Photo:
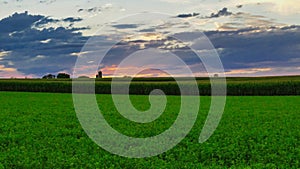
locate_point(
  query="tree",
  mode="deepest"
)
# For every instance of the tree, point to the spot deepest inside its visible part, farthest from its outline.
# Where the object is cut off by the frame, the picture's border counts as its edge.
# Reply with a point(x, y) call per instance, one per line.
point(63, 76)
point(49, 76)
point(83, 77)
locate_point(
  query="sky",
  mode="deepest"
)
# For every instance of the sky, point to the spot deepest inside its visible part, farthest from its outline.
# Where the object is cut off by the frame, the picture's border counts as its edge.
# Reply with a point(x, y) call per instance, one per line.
point(122, 38)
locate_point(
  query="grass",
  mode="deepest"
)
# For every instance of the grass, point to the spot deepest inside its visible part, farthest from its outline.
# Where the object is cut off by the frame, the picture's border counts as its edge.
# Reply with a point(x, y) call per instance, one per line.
point(40, 130)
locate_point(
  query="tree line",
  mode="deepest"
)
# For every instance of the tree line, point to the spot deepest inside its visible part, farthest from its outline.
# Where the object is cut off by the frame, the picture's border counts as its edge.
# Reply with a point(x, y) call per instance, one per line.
point(67, 76)
point(59, 76)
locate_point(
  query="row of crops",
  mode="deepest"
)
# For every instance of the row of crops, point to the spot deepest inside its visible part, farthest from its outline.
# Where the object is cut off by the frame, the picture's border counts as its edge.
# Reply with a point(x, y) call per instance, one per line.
point(235, 86)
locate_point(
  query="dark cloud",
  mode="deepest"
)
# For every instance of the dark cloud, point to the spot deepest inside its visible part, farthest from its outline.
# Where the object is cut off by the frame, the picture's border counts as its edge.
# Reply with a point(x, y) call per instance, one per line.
point(36, 49)
point(246, 48)
point(148, 30)
point(256, 50)
point(71, 19)
point(39, 51)
point(188, 15)
point(18, 22)
point(125, 26)
point(291, 27)
point(251, 49)
point(99, 9)
point(124, 49)
point(239, 6)
point(222, 12)
point(45, 20)
point(90, 10)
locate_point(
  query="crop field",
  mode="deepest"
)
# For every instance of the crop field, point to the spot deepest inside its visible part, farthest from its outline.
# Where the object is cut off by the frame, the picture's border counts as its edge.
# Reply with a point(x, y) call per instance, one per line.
point(241, 86)
point(41, 130)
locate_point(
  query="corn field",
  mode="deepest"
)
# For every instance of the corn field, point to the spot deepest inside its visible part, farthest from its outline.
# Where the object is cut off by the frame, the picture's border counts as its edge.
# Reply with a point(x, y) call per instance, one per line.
point(267, 86)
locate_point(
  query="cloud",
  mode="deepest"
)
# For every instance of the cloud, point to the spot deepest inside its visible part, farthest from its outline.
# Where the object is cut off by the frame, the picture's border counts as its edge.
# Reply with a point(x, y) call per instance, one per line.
point(274, 71)
point(38, 51)
point(222, 12)
point(249, 44)
point(98, 9)
point(248, 21)
point(45, 20)
point(94, 9)
point(110, 71)
point(245, 48)
point(243, 52)
point(5, 69)
point(148, 30)
point(239, 6)
point(164, 46)
point(46, 41)
point(188, 15)
point(4, 53)
point(248, 71)
point(9, 72)
point(20, 22)
point(125, 26)
point(24, 21)
point(71, 19)
point(247, 51)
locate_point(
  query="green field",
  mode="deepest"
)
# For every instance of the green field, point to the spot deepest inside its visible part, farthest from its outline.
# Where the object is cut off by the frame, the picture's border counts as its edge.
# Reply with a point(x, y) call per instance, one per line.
point(236, 86)
point(40, 130)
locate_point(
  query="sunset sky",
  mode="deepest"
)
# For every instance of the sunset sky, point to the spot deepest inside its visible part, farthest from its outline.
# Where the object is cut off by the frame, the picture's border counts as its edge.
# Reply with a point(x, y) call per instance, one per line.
point(251, 37)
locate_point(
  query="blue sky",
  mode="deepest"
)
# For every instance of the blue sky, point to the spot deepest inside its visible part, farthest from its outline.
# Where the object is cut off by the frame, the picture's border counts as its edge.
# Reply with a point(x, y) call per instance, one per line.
point(252, 38)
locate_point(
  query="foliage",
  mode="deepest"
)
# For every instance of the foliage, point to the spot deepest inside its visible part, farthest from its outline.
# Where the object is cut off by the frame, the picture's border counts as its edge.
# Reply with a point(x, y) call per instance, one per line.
point(40, 130)
point(48, 76)
point(63, 76)
point(267, 86)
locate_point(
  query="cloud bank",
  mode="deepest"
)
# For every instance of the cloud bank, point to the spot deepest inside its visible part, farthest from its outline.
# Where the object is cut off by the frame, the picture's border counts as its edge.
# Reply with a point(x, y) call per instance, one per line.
point(35, 50)
point(34, 45)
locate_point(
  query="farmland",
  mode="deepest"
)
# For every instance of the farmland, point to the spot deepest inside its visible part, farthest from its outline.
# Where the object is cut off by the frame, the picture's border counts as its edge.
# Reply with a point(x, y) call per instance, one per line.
point(242, 86)
point(40, 130)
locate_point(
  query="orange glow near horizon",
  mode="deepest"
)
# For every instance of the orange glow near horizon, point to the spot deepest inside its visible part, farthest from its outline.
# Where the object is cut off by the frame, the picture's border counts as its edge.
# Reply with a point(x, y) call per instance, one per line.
point(109, 71)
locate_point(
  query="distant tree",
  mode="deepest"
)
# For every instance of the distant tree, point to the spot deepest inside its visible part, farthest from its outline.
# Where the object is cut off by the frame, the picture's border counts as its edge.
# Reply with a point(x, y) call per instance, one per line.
point(83, 77)
point(63, 76)
point(49, 76)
